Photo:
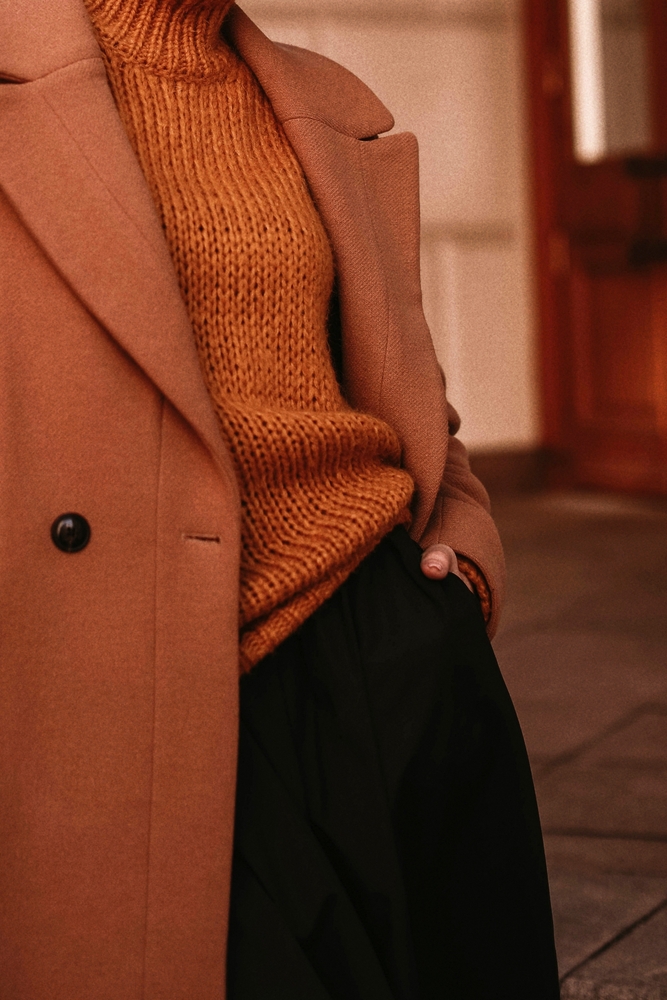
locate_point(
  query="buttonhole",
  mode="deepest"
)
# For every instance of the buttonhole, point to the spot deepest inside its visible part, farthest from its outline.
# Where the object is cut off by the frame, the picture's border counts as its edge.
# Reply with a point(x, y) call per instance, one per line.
point(203, 538)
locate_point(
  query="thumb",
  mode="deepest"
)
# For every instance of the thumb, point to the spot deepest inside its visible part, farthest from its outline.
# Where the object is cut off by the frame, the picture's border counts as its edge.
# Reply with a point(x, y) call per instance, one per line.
point(438, 560)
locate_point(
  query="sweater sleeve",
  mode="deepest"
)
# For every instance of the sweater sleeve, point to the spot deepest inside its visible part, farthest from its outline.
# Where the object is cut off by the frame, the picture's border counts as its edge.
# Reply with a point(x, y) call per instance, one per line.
point(461, 518)
point(479, 584)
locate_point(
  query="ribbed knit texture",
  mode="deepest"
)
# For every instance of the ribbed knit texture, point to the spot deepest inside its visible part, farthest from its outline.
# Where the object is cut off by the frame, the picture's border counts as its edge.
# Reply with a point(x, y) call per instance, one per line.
point(320, 483)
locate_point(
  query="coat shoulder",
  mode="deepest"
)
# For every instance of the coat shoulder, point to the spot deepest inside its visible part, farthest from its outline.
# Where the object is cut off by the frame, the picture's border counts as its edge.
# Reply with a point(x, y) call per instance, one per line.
point(339, 84)
point(304, 84)
point(38, 37)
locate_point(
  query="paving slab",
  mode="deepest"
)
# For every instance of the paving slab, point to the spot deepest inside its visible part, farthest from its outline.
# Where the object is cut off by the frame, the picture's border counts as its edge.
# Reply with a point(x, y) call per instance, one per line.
point(583, 648)
point(591, 910)
point(635, 607)
point(585, 558)
point(626, 801)
point(634, 968)
point(641, 741)
point(589, 855)
point(570, 686)
point(618, 786)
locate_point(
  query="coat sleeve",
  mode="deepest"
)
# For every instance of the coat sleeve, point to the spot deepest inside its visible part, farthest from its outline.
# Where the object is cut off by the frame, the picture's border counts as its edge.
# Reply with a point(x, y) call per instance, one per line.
point(461, 518)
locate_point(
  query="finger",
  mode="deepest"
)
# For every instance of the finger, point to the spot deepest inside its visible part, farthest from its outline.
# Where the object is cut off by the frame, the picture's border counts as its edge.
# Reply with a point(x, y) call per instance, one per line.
point(440, 560)
point(437, 561)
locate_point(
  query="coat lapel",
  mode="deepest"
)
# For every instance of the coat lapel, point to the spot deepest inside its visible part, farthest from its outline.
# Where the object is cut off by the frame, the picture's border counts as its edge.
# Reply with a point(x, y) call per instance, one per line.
point(368, 196)
point(71, 174)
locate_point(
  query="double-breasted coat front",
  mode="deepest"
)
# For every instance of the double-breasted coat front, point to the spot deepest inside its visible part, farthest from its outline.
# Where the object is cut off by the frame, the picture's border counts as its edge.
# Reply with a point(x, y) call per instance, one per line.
point(118, 663)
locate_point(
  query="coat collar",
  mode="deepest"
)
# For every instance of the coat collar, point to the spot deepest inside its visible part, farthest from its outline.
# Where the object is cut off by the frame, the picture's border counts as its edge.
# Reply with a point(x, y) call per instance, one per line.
point(70, 172)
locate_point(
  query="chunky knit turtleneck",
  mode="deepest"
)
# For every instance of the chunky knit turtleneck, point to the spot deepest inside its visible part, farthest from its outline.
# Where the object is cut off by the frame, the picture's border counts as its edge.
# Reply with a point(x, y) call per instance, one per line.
point(320, 483)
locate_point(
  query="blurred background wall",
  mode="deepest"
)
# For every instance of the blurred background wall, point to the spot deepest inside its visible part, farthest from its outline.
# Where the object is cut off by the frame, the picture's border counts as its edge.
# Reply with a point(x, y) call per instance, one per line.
point(451, 71)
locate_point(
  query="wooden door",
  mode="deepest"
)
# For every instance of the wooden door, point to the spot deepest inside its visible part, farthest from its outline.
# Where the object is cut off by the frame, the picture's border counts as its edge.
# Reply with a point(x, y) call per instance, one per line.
point(601, 252)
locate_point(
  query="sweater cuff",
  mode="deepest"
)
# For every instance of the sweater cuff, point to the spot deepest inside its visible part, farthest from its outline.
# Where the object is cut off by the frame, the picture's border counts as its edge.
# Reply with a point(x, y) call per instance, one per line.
point(476, 577)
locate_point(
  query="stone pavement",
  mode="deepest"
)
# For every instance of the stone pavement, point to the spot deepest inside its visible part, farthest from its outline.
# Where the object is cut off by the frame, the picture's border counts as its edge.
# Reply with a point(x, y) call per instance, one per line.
point(583, 647)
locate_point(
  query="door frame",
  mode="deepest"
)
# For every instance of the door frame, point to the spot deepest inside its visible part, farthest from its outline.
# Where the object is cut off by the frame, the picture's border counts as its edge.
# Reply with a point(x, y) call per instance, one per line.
point(547, 79)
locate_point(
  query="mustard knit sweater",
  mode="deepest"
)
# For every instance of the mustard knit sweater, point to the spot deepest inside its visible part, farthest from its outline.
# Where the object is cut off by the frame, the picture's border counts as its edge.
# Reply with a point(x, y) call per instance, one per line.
point(320, 483)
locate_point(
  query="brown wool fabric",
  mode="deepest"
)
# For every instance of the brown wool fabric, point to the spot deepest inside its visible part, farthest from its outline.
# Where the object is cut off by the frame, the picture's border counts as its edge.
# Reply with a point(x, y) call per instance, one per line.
point(320, 483)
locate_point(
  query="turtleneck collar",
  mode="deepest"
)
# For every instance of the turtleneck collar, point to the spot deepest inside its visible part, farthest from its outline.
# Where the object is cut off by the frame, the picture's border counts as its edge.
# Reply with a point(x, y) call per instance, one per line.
point(176, 38)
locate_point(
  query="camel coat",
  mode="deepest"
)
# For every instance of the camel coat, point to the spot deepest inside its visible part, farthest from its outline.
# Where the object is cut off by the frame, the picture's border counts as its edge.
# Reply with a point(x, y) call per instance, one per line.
point(118, 664)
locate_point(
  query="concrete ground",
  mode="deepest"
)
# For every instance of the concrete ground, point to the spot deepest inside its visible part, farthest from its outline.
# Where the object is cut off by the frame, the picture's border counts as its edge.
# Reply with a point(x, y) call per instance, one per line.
point(583, 647)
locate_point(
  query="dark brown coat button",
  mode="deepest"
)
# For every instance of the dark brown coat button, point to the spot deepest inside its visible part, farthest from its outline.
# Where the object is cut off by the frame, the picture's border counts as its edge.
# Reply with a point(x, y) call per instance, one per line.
point(70, 532)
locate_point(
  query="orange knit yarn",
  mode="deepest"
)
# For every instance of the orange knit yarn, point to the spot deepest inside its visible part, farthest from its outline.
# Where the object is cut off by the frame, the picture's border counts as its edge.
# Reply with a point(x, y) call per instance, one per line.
point(320, 483)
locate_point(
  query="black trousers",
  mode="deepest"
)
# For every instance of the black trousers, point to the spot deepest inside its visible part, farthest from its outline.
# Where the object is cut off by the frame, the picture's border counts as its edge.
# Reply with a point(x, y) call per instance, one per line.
point(387, 842)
